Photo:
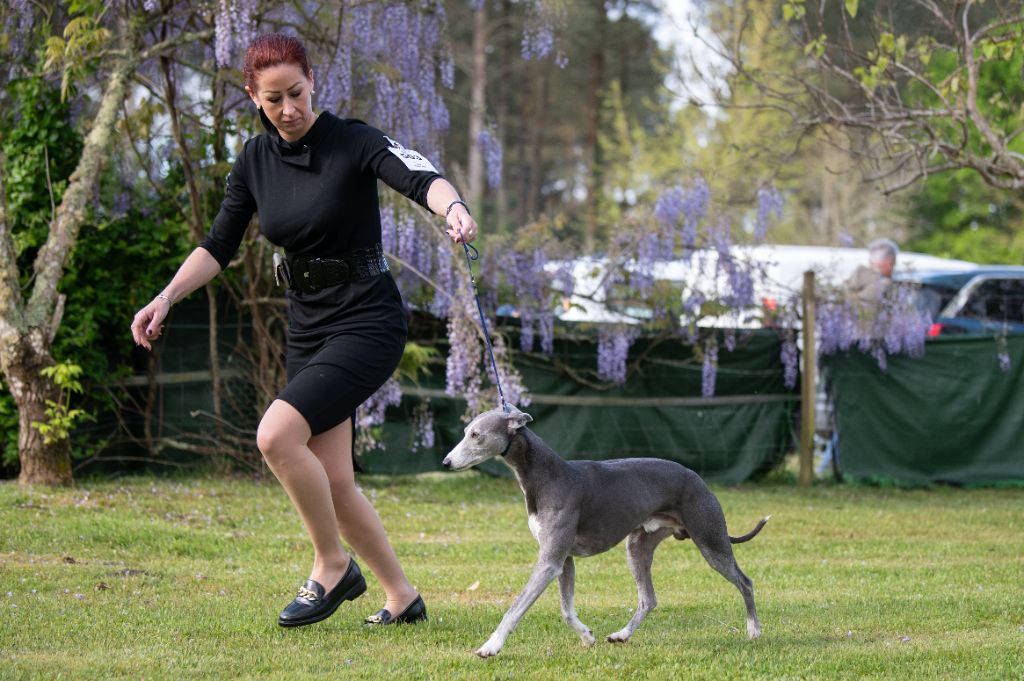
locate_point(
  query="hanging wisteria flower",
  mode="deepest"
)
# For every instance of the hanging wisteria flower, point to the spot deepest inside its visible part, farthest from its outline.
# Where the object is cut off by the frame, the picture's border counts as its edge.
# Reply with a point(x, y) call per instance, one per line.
point(613, 343)
point(371, 412)
point(669, 206)
point(709, 374)
point(695, 209)
point(769, 203)
point(423, 427)
point(233, 28)
point(490, 146)
point(526, 332)
point(444, 277)
point(546, 322)
point(462, 369)
point(789, 357)
point(1004, 360)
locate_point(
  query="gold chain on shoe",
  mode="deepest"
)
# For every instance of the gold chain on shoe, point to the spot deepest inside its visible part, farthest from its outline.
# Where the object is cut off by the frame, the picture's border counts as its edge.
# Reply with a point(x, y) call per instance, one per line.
point(307, 594)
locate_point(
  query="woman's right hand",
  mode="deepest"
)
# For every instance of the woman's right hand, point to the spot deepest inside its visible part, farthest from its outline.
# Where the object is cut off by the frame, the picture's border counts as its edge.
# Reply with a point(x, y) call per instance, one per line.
point(147, 325)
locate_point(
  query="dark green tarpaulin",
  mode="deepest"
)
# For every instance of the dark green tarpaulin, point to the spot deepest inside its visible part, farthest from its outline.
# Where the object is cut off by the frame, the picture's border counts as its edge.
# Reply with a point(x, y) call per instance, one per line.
point(952, 415)
point(745, 428)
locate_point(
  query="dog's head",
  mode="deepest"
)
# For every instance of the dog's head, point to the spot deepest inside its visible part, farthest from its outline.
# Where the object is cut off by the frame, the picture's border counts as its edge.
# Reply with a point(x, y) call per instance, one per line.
point(486, 436)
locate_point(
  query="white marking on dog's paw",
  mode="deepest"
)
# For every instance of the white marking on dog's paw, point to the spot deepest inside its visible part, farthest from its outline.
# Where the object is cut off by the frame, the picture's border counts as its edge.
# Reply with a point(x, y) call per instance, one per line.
point(753, 630)
point(619, 637)
point(588, 638)
point(489, 649)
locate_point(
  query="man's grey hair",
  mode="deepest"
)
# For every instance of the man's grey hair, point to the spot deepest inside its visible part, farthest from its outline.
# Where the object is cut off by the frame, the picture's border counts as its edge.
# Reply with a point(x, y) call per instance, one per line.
point(883, 250)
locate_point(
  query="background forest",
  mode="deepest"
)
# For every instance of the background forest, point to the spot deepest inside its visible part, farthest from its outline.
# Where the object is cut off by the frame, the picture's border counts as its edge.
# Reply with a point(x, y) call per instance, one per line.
point(566, 124)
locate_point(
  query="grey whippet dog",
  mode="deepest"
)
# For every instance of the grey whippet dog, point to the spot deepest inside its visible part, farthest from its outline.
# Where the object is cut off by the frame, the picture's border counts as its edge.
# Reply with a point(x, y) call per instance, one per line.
point(582, 508)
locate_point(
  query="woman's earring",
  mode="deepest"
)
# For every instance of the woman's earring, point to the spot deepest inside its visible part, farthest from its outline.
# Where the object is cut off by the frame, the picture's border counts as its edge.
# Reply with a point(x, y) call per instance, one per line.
point(312, 92)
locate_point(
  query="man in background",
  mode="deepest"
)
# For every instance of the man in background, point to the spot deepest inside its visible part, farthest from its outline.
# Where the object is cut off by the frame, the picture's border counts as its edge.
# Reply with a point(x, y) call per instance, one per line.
point(868, 285)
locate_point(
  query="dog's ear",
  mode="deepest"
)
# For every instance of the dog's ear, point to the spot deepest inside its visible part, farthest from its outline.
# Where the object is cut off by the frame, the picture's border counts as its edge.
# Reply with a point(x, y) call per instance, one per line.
point(517, 419)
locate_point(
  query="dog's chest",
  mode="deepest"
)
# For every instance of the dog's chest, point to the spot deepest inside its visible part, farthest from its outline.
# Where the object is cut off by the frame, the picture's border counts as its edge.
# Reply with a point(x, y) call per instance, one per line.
point(535, 528)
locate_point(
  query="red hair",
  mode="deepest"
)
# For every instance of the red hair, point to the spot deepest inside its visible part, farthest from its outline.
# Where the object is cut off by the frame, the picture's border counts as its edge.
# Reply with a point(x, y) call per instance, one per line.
point(271, 49)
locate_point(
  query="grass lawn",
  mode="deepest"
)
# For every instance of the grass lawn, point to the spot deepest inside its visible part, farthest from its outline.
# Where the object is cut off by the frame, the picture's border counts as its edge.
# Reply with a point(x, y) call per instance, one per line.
point(149, 578)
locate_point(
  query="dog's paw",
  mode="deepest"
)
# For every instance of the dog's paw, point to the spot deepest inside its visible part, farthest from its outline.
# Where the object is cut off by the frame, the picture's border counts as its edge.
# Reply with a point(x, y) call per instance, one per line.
point(489, 649)
point(753, 630)
point(588, 638)
point(619, 637)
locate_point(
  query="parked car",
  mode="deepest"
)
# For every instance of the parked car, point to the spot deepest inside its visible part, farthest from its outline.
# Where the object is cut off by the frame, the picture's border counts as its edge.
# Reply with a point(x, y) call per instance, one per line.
point(985, 299)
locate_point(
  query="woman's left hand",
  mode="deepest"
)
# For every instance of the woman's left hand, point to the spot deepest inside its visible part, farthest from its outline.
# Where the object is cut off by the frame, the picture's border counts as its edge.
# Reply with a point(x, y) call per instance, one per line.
point(461, 225)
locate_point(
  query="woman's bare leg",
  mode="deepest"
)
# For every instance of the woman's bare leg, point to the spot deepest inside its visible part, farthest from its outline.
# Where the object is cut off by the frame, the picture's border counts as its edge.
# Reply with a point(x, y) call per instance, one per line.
point(283, 438)
point(357, 520)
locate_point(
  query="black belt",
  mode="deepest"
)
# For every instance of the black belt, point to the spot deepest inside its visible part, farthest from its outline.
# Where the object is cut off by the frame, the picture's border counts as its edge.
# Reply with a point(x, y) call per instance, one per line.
point(309, 274)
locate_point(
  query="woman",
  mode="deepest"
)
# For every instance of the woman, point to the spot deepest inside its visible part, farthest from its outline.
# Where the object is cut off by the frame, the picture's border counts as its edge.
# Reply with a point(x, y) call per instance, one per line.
point(312, 178)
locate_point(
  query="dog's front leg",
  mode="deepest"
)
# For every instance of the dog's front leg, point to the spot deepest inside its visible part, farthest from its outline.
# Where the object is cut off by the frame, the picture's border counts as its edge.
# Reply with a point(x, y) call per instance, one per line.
point(567, 589)
point(547, 569)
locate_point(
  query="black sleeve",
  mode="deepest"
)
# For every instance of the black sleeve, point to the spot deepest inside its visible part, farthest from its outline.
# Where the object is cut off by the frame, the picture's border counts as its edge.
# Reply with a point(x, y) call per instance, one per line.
point(236, 211)
point(383, 164)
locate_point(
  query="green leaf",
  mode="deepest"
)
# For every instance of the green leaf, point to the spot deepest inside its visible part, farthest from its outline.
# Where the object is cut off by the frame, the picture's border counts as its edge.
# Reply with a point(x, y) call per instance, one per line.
point(851, 8)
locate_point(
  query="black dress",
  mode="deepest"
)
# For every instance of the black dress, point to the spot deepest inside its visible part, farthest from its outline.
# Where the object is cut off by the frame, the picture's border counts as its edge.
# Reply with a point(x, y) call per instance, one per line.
point(317, 197)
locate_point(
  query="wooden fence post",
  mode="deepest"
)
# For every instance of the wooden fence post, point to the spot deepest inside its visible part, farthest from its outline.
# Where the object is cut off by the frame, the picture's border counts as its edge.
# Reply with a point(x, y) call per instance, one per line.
point(808, 394)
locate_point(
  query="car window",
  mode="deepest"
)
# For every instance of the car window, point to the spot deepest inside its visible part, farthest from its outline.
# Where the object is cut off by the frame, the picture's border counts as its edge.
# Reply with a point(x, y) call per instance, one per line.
point(999, 300)
point(929, 299)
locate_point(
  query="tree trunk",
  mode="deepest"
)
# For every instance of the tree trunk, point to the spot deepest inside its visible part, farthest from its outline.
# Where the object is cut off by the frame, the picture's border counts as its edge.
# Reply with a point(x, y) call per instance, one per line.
point(477, 104)
point(47, 463)
point(26, 330)
point(591, 150)
point(501, 113)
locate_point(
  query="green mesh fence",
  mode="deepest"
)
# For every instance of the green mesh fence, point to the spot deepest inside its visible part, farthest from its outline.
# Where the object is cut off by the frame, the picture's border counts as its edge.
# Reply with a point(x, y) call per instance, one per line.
point(951, 416)
point(744, 429)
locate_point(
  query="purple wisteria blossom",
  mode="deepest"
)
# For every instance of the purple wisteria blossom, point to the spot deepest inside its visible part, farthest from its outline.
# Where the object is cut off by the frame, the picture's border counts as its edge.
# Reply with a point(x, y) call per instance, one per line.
point(669, 206)
point(538, 41)
point(423, 428)
point(233, 29)
point(335, 87)
point(490, 146)
point(371, 412)
point(709, 373)
point(613, 343)
point(444, 277)
point(462, 368)
point(695, 209)
point(788, 355)
point(1004, 360)
point(546, 324)
point(892, 326)
point(769, 203)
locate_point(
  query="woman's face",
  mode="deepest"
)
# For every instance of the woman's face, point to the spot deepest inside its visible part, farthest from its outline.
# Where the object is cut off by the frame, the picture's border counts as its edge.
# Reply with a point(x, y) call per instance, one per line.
point(286, 95)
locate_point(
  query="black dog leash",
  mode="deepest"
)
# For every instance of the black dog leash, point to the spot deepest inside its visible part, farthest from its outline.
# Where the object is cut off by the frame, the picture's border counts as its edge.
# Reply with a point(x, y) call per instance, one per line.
point(483, 321)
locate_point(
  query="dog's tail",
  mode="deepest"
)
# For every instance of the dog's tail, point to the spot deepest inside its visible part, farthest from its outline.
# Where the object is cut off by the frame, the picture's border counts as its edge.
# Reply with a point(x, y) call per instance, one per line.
point(753, 533)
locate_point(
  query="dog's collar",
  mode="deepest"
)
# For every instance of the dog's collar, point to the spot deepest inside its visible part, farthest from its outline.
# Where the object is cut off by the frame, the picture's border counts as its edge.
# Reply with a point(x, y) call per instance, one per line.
point(510, 441)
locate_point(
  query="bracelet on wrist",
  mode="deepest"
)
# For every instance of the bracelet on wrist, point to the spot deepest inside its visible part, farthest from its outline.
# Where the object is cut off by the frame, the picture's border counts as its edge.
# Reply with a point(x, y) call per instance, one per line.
point(456, 202)
point(163, 297)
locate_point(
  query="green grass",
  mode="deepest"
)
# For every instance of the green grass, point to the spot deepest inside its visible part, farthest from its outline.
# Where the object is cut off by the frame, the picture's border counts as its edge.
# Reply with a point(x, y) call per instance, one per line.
point(180, 579)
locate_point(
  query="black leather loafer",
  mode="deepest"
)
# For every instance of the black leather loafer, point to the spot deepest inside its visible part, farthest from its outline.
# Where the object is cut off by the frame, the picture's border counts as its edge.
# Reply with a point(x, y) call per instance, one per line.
point(416, 612)
point(313, 605)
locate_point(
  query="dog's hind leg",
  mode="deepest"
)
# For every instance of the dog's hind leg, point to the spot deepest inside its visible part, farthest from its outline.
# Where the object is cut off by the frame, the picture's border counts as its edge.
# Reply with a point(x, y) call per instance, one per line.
point(567, 589)
point(717, 551)
point(640, 555)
